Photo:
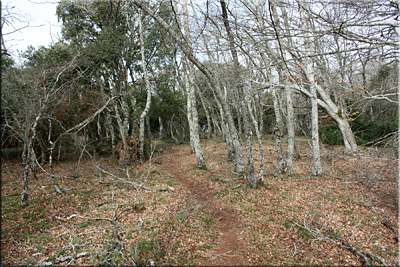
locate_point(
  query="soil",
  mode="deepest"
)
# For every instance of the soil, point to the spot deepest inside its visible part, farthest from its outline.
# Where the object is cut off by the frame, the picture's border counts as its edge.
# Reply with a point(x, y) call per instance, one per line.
point(230, 248)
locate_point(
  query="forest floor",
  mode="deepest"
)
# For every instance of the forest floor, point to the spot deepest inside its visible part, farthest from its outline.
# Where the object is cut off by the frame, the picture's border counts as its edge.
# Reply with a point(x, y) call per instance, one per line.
point(168, 212)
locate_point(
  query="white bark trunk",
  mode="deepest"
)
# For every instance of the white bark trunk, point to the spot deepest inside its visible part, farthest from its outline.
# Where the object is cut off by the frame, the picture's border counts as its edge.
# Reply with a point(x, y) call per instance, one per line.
point(28, 158)
point(290, 129)
point(191, 98)
point(161, 133)
point(189, 113)
point(278, 130)
point(309, 70)
point(148, 88)
point(261, 169)
point(239, 164)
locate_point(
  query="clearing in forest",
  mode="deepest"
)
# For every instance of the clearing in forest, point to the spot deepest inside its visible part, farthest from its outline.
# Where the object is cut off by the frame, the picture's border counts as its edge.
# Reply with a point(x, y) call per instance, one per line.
point(168, 212)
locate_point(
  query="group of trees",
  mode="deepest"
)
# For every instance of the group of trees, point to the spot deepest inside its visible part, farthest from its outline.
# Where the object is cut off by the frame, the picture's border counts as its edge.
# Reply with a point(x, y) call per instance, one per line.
point(135, 70)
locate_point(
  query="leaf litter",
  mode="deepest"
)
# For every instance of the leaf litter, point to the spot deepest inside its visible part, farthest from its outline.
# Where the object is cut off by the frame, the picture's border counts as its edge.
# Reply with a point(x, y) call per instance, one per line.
point(202, 220)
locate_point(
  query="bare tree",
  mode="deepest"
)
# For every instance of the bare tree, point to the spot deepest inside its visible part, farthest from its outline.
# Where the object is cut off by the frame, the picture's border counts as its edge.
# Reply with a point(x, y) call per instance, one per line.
point(239, 86)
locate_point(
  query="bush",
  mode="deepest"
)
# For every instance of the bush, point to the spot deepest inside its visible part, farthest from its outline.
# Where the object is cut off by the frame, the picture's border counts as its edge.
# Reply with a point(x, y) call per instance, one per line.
point(330, 134)
point(365, 130)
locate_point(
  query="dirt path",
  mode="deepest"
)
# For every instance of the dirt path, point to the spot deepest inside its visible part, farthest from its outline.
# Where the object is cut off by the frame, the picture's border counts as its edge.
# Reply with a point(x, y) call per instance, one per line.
point(229, 248)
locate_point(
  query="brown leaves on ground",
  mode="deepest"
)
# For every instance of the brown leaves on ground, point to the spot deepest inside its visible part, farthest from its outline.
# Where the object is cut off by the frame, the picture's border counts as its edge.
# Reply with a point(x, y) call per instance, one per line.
point(203, 220)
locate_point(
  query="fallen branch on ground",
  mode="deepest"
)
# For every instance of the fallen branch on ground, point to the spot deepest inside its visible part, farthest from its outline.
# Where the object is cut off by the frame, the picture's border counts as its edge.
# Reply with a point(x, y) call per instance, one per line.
point(63, 259)
point(236, 186)
point(229, 179)
point(331, 236)
point(136, 185)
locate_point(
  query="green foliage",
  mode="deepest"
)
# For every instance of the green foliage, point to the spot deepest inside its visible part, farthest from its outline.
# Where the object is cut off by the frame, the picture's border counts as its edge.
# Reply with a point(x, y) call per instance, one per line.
point(6, 62)
point(365, 130)
point(373, 120)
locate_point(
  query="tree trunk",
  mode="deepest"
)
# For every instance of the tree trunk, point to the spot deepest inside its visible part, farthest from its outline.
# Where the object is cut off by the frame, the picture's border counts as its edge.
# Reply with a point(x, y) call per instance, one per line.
point(290, 129)
point(189, 113)
point(148, 88)
point(242, 98)
point(191, 98)
point(28, 158)
point(112, 132)
point(261, 170)
point(239, 164)
point(207, 113)
point(278, 130)
point(309, 70)
point(161, 133)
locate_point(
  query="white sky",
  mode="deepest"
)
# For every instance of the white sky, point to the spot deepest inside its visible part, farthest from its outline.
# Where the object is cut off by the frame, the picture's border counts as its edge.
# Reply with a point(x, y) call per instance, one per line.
point(41, 17)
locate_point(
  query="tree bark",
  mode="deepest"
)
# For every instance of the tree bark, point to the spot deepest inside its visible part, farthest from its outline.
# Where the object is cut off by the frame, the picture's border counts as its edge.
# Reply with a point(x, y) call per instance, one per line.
point(242, 98)
point(148, 88)
point(290, 129)
point(261, 169)
point(28, 158)
point(191, 98)
point(206, 111)
point(309, 70)
point(161, 133)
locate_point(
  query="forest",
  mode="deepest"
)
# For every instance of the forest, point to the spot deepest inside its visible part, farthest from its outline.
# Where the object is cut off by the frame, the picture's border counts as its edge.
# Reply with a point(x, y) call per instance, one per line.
point(198, 132)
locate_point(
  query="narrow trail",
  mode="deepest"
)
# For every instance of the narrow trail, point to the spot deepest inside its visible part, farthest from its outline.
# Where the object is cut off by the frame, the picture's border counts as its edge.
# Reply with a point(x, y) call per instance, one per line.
point(229, 248)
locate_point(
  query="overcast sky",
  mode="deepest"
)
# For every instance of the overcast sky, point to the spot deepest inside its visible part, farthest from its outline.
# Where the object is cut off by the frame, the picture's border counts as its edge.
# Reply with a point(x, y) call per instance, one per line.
point(41, 17)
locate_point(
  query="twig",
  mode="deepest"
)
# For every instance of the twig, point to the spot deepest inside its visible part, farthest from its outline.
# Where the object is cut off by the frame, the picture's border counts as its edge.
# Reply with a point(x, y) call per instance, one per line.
point(68, 218)
point(63, 259)
point(236, 186)
point(330, 237)
point(136, 185)
point(217, 255)
point(391, 228)
point(229, 179)
point(379, 258)
point(295, 250)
